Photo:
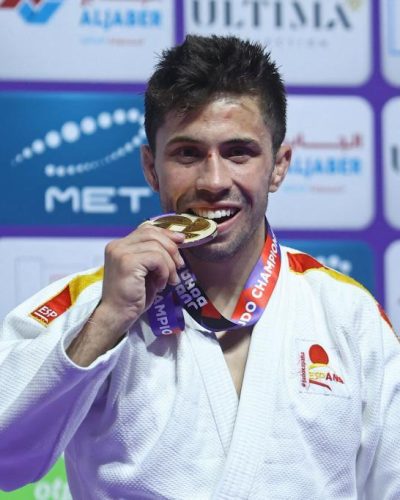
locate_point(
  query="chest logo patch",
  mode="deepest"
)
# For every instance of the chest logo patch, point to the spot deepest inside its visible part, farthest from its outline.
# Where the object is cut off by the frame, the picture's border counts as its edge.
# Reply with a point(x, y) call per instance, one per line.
point(320, 370)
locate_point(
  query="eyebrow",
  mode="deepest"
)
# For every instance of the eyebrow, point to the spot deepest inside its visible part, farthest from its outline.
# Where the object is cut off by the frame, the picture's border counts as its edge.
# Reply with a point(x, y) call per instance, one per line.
point(192, 140)
point(183, 138)
point(245, 140)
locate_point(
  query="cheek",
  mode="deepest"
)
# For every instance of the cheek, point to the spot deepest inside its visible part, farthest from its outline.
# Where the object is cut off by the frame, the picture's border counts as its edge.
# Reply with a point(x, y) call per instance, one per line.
point(178, 180)
point(256, 185)
point(259, 193)
point(172, 189)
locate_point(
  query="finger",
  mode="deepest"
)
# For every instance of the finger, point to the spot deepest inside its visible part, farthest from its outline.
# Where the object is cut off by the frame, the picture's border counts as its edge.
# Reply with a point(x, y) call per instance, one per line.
point(159, 265)
point(149, 257)
point(145, 230)
point(168, 239)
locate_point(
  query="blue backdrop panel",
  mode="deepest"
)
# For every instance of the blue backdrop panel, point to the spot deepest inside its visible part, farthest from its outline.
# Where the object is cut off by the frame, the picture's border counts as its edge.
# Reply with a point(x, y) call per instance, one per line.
point(73, 159)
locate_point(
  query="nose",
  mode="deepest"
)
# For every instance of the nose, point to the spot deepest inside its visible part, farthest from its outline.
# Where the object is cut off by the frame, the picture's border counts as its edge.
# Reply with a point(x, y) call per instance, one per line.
point(214, 175)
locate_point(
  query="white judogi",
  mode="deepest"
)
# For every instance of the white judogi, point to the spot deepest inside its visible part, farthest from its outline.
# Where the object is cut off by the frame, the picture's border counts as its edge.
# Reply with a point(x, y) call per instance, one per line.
point(318, 417)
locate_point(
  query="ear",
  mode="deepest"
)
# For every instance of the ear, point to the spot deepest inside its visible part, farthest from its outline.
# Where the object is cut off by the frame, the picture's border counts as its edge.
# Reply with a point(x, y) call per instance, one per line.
point(148, 166)
point(282, 162)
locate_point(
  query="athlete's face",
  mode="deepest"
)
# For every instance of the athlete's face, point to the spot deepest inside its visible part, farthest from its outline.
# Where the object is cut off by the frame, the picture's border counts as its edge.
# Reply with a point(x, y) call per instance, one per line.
point(217, 162)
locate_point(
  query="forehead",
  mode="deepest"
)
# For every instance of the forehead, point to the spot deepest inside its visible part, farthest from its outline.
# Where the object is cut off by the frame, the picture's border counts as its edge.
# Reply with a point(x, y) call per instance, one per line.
point(223, 118)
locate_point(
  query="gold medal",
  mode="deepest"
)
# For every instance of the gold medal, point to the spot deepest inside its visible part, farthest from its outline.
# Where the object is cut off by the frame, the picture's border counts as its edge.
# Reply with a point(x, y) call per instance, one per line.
point(197, 230)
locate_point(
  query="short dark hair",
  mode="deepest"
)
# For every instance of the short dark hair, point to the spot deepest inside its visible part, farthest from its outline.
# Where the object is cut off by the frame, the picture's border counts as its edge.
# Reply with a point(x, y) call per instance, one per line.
point(190, 75)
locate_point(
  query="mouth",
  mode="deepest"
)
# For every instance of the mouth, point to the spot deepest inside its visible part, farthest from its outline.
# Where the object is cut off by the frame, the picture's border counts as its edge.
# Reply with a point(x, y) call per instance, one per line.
point(219, 215)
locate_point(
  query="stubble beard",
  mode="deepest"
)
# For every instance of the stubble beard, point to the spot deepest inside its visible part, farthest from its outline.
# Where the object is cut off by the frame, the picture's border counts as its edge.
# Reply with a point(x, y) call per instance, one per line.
point(215, 251)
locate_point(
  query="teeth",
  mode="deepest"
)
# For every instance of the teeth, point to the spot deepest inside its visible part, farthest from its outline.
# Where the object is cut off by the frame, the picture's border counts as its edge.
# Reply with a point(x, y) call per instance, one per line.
point(214, 214)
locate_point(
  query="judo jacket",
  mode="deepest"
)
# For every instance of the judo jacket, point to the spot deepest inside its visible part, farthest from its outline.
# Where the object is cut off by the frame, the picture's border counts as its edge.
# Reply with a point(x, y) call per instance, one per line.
point(318, 416)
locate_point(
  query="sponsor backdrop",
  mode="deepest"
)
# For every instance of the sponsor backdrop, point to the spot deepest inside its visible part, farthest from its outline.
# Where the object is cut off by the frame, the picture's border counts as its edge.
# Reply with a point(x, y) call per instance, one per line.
point(72, 76)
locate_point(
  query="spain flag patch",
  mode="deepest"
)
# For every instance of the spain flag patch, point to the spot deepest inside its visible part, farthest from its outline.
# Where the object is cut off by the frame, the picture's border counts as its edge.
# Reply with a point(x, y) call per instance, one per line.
point(63, 300)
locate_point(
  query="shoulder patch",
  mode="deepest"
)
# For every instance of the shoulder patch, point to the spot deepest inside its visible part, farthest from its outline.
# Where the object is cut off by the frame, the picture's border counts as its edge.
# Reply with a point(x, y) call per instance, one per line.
point(301, 263)
point(386, 318)
point(63, 300)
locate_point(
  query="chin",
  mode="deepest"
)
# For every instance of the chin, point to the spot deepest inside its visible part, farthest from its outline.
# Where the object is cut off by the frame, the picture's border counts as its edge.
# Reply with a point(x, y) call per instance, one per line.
point(216, 252)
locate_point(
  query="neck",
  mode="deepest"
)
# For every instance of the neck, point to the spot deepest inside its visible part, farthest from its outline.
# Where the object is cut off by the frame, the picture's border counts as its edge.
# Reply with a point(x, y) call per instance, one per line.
point(223, 281)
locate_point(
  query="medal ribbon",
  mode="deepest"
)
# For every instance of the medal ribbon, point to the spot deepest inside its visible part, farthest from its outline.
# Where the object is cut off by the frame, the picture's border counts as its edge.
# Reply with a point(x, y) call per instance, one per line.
point(166, 315)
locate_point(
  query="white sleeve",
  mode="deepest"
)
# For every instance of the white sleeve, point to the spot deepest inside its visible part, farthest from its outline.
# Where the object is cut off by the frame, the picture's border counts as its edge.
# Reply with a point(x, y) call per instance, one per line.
point(383, 481)
point(44, 396)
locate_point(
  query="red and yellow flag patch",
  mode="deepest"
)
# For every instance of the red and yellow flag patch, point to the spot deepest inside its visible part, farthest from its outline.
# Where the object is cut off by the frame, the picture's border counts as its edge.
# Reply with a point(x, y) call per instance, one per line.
point(301, 263)
point(60, 303)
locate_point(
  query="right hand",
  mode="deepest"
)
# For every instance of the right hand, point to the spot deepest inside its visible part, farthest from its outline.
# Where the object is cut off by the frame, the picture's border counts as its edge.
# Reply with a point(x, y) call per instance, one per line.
point(136, 268)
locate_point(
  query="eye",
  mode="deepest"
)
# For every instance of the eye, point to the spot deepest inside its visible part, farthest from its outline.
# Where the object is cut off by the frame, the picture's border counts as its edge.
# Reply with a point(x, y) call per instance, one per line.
point(239, 154)
point(240, 150)
point(186, 154)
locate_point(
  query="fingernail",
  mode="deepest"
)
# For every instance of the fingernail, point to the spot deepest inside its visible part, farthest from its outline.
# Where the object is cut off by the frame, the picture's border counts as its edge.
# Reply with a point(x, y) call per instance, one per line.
point(182, 236)
point(175, 281)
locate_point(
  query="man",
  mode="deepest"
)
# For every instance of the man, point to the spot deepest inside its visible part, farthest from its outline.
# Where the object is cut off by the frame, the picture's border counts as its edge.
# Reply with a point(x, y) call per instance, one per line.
point(284, 380)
